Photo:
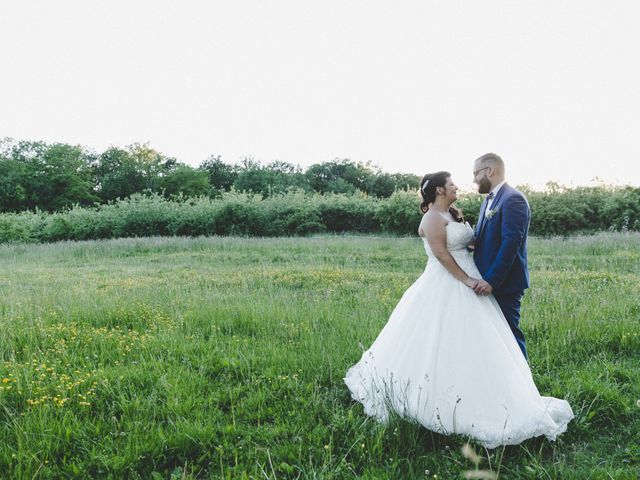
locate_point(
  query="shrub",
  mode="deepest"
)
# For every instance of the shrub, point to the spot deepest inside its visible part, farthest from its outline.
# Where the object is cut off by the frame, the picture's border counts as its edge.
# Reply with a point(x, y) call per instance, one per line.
point(400, 213)
point(567, 211)
point(622, 210)
point(470, 206)
point(196, 217)
point(15, 227)
point(556, 212)
point(348, 213)
point(292, 214)
point(239, 214)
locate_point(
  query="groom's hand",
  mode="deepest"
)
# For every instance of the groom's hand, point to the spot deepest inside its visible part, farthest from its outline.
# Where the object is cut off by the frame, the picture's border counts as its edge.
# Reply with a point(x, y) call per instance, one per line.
point(483, 288)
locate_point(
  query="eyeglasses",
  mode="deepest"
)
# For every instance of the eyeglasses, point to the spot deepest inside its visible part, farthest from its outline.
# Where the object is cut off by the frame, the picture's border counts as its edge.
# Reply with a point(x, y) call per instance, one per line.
point(475, 174)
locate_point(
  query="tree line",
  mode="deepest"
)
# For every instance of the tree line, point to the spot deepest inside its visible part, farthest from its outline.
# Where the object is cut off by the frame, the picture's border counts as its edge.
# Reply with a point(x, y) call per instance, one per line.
point(55, 176)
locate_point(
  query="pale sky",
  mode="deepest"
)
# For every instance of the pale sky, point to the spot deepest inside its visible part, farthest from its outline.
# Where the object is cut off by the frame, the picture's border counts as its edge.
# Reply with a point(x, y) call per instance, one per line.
point(413, 86)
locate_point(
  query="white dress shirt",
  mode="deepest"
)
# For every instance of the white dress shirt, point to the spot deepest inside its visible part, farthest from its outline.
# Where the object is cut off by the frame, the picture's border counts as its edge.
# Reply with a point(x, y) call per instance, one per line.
point(495, 191)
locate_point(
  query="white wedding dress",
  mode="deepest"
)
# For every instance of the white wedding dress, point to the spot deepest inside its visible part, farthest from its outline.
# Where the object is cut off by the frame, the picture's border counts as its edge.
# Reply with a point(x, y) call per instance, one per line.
point(447, 359)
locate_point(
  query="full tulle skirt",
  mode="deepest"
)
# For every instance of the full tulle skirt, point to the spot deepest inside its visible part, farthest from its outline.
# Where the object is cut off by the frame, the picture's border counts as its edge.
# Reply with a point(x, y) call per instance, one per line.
point(447, 359)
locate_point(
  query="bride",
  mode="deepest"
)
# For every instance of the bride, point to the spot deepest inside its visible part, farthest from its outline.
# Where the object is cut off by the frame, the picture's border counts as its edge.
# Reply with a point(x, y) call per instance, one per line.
point(446, 357)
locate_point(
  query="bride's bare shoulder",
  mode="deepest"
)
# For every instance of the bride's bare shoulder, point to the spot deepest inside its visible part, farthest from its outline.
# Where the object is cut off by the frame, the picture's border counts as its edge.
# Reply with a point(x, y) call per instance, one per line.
point(431, 221)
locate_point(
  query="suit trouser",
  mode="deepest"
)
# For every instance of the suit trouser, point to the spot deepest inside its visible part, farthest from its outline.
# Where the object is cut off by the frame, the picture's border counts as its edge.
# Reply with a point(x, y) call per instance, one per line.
point(510, 306)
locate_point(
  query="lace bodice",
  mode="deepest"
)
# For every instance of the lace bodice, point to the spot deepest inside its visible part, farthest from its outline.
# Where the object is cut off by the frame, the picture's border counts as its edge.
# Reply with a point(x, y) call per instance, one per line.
point(459, 235)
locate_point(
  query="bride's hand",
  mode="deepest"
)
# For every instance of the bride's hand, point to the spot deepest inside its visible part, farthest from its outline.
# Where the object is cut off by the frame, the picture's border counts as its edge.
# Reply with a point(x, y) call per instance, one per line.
point(471, 282)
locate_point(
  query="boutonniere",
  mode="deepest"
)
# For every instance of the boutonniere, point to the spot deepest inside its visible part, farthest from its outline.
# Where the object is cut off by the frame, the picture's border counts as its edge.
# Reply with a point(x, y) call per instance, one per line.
point(491, 213)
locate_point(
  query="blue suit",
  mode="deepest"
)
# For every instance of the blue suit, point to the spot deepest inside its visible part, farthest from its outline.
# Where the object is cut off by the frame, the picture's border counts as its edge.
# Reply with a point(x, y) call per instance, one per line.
point(501, 253)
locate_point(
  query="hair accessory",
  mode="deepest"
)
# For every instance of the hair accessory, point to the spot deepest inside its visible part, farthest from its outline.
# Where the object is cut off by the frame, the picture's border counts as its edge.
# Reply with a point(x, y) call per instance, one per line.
point(424, 187)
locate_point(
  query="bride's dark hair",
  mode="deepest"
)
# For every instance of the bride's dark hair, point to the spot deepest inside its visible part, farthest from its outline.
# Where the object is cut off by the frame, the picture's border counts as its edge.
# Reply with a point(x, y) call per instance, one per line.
point(428, 186)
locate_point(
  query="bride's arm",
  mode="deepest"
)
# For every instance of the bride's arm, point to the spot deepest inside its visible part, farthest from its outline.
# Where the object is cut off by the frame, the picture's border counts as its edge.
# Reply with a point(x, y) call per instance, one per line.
point(436, 235)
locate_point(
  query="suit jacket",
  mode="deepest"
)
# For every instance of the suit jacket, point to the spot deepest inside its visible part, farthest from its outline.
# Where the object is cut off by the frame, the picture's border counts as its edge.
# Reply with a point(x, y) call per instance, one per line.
point(501, 241)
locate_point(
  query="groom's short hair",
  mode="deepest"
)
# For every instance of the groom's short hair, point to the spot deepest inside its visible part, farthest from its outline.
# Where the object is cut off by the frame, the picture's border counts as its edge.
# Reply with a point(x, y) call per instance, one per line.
point(493, 160)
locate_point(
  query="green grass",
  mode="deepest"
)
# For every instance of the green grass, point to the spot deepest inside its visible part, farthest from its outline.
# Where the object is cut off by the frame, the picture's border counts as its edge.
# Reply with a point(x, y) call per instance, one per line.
point(224, 358)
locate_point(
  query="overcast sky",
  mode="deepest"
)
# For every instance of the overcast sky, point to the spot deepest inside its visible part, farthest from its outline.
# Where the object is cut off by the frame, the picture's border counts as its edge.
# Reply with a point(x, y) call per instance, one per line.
point(413, 86)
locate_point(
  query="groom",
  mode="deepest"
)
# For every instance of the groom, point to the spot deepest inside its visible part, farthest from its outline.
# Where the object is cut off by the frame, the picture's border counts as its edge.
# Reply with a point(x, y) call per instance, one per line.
point(501, 241)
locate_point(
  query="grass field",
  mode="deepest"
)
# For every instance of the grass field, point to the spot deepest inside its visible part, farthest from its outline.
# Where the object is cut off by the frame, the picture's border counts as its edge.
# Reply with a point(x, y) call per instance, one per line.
point(224, 357)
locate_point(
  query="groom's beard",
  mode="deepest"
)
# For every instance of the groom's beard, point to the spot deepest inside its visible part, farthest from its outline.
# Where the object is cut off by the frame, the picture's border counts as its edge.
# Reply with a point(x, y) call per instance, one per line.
point(484, 185)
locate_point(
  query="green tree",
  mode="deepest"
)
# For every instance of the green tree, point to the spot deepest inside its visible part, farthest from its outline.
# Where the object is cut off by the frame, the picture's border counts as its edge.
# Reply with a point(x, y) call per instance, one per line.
point(12, 191)
point(275, 177)
point(221, 175)
point(381, 185)
point(12, 175)
point(185, 180)
point(67, 178)
point(116, 175)
point(49, 177)
point(22, 159)
point(282, 176)
point(339, 176)
point(406, 181)
point(251, 177)
point(137, 168)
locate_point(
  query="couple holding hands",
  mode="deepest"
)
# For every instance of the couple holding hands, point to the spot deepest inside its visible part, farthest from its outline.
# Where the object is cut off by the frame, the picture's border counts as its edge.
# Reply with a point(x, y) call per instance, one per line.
point(452, 356)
